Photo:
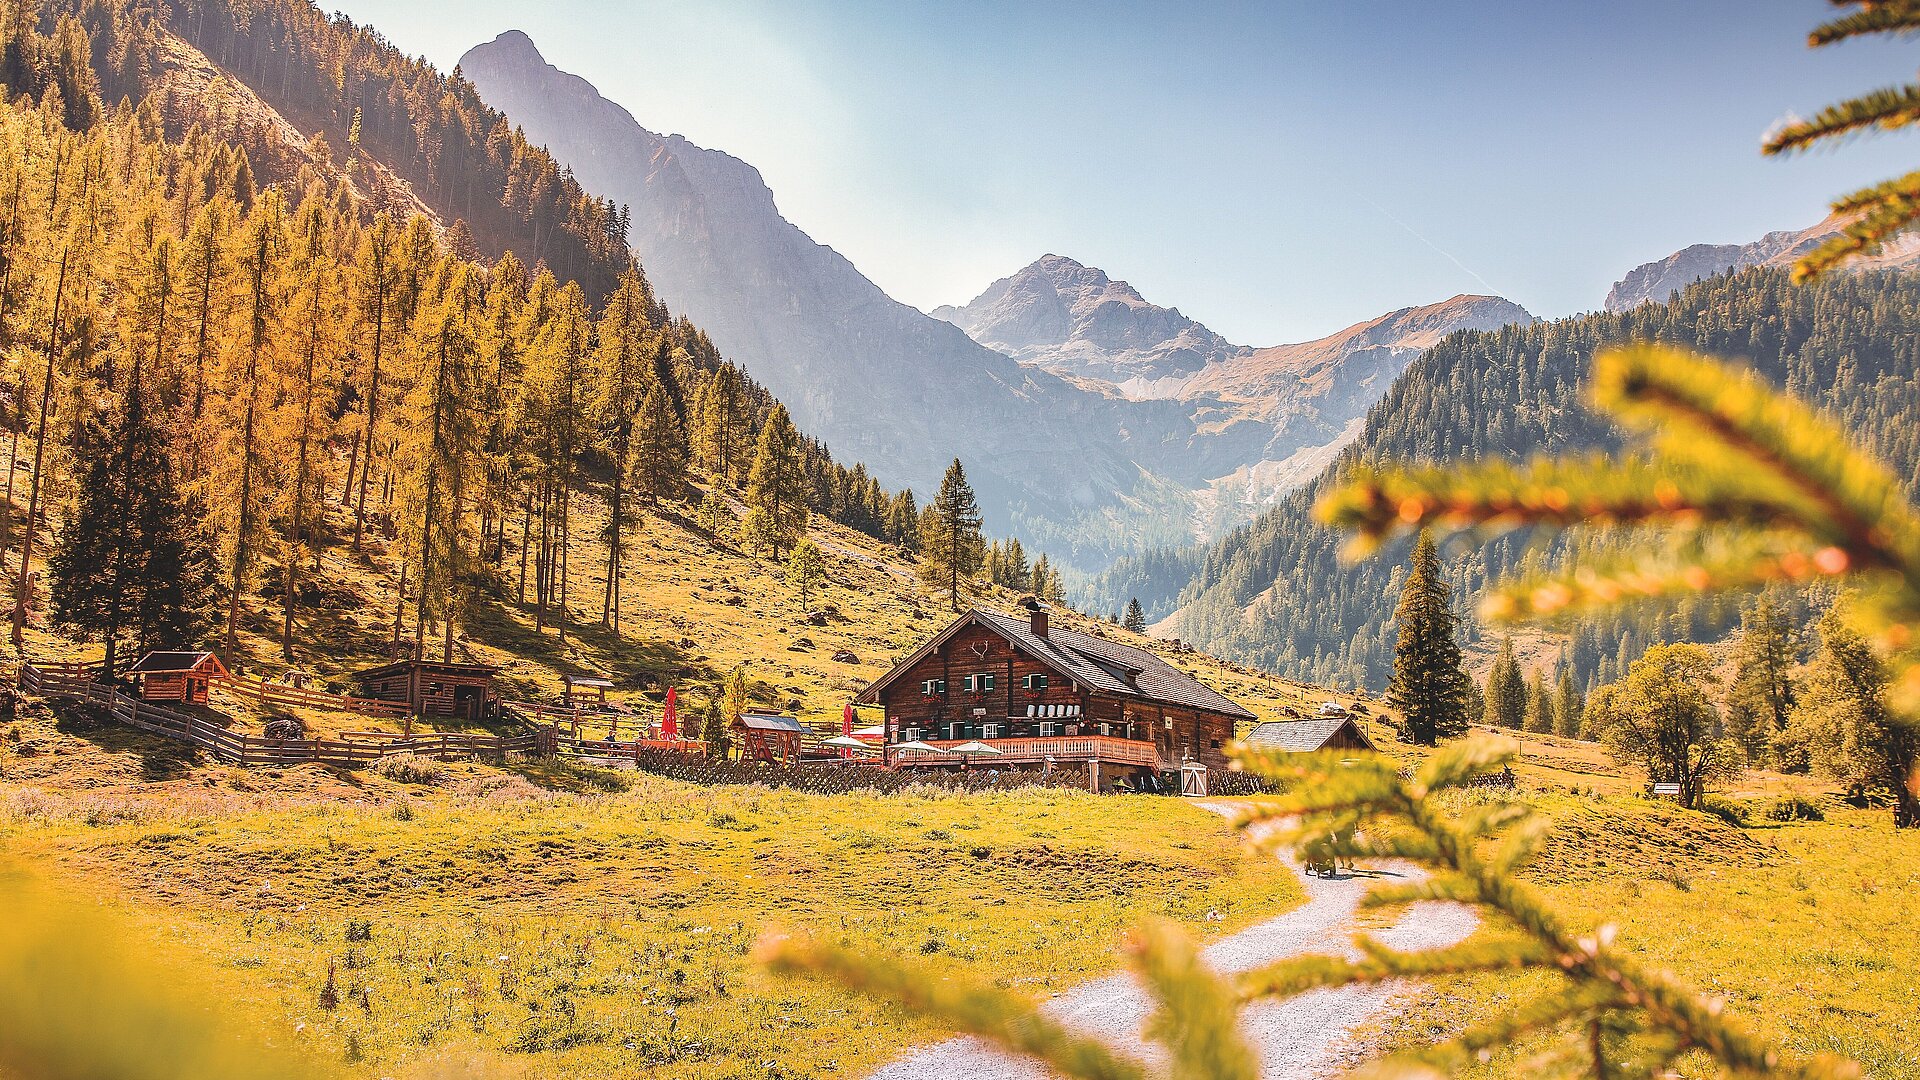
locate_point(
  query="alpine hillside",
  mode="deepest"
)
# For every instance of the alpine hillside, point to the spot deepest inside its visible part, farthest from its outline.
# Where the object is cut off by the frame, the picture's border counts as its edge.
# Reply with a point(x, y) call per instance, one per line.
point(1277, 593)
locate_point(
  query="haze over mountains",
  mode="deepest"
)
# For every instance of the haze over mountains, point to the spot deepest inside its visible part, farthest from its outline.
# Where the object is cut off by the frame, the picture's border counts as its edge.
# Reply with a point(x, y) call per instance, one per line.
point(1076, 424)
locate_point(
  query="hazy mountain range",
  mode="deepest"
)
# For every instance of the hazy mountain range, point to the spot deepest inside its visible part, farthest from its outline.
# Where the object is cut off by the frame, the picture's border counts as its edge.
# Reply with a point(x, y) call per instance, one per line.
point(1092, 421)
point(1661, 278)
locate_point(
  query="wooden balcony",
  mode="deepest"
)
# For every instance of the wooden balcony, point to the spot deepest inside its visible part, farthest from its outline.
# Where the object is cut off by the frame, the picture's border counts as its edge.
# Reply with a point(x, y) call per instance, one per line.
point(1063, 749)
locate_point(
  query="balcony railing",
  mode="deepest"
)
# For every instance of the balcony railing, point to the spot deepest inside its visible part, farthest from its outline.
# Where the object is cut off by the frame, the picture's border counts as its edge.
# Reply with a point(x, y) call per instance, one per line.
point(1061, 748)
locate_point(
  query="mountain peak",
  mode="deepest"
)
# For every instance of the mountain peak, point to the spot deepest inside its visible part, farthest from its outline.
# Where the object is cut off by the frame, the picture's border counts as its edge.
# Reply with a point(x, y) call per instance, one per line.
point(1061, 314)
point(516, 43)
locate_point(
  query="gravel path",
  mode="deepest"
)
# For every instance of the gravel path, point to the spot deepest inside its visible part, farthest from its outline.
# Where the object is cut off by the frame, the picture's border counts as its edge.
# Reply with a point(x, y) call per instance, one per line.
point(1295, 1038)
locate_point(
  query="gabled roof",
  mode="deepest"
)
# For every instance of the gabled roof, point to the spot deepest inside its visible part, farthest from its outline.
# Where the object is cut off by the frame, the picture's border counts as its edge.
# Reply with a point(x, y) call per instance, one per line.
point(1302, 736)
point(591, 682)
point(427, 666)
point(168, 663)
point(762, 722)
point(1095, 662)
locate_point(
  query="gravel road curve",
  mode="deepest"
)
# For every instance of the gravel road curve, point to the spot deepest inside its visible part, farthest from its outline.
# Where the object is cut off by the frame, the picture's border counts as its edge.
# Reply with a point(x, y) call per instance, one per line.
point(1297, 1038)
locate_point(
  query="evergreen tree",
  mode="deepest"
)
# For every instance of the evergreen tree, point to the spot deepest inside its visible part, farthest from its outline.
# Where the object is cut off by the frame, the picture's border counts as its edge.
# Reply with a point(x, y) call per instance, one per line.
point(722, 425)
point(777, 486)
point(621, 400)
point(1760, 700)
point(716, 517)
point(1506, 696)
point(1135, 620)
point(1428, 686)
point(659, 452)
point(806, 571)
point(132, 562)
point(1539, 717)
point(903, 522)
point(951, 546)
point(713, 724)
point(1568, 707)
point(1846, 726)
point(733, 706)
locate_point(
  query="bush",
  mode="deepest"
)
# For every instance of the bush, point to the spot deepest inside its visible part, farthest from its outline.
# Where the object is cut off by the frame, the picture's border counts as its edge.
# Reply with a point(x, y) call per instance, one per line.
point(1795, 808)
point(409, 769)
point(1733, 813)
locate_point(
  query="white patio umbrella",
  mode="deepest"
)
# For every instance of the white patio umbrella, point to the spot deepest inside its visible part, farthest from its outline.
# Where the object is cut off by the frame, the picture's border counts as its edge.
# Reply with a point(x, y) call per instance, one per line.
point(849, 742)
point(975, 748)
point(918, 747)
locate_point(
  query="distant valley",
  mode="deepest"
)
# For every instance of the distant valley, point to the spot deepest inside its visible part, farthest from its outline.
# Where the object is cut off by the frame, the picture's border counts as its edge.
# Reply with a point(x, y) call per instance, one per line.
point(1095, 423)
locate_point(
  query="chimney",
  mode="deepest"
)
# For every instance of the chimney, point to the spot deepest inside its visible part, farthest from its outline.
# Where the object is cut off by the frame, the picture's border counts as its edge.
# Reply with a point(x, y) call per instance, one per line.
point(1036, 616)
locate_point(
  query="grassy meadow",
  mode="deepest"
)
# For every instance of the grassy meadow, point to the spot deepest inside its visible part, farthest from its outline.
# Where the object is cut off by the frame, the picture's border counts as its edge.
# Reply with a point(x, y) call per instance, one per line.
point(498, 920)
point(1806, 928)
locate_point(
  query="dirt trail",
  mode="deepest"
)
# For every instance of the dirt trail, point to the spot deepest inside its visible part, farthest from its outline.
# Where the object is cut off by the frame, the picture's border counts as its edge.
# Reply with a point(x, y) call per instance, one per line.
point(1299, 1037)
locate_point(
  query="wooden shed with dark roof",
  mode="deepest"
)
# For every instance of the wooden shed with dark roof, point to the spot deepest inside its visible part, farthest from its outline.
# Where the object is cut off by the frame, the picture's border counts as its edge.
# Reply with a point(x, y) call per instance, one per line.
point(178, 676)
point(1314, 733)
point(765, 737)
point(1043, 695)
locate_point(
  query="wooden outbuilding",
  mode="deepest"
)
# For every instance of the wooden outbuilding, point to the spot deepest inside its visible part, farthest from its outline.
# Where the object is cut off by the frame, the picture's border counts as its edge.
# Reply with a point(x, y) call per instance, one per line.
point(769, 738)
point(178, 676)
point(583, 691)
point(432, 688)
point(1314, 733)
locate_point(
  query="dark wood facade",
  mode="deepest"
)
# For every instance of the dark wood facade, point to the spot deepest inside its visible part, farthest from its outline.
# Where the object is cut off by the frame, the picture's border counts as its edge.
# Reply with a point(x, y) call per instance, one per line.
point(430, 688)
point(983, 680)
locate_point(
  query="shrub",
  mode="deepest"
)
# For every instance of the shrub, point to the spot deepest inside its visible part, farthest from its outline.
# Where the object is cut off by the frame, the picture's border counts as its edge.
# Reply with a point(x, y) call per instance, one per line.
point(409, 769)
point(1796, 808)
point(1733, 813)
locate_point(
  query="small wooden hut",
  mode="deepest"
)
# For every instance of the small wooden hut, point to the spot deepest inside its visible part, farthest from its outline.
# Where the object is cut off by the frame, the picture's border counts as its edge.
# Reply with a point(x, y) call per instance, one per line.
point(1306, 736)
point(586, 691)
point(768, 738)
point(432, 688)
point(177, 676)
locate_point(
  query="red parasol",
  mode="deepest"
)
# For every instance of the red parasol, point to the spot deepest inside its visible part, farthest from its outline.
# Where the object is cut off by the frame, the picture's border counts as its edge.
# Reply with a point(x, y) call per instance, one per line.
point(669, 717)
point(846, 727)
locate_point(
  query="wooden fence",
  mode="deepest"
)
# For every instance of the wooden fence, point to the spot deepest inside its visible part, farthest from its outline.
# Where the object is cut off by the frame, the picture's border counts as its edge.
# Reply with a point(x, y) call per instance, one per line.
point(268, 694)
point(356, 749)
point(834, 779)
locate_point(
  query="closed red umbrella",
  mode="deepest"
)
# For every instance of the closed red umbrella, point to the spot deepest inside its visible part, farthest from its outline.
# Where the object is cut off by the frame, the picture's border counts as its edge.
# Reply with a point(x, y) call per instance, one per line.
point(846, 727)
point(669, 717)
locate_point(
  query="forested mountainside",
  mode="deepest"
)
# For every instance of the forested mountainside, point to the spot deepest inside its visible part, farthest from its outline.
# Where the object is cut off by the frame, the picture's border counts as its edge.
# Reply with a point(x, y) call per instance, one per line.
point(339, 97)
point(210, 351)
point(1277, 593)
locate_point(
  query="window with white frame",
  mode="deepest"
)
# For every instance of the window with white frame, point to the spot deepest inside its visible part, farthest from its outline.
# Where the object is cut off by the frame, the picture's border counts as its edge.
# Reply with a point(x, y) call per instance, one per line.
point(1035, 681)
point(933, 687)
point(980, 684)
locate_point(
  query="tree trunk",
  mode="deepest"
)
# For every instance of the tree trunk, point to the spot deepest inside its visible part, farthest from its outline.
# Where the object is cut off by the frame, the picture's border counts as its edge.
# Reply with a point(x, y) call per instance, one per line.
point(25, 583)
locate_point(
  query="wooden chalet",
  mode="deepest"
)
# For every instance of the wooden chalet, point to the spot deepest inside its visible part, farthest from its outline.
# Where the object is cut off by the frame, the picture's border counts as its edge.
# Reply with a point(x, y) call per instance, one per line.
point(1042, 696)
point(769, 738)
point(432, 688)
point(1333, 732)
point(178, 676)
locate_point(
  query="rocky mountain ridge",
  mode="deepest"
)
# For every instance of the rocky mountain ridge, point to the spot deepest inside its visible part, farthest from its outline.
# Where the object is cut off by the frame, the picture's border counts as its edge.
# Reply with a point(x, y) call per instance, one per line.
point(1661, 278)
point(1072, 319)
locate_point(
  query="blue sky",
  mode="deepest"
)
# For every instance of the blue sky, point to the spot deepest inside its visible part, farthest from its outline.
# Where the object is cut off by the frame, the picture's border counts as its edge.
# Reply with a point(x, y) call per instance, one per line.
point(1276, 171)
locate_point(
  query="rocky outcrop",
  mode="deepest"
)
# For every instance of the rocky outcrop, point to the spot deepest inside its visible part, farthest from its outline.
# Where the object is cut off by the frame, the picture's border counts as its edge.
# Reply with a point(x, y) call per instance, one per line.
point(1660, 279)
point(1074, 320)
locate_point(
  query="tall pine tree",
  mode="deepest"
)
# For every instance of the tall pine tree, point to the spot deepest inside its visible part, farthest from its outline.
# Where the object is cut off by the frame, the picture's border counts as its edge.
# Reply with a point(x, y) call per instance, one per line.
point(951, 547)
point(1428, 687)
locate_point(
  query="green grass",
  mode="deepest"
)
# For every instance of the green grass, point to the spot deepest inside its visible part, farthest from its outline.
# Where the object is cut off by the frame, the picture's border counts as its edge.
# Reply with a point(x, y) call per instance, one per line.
point(1805, 929)
point(493, 920)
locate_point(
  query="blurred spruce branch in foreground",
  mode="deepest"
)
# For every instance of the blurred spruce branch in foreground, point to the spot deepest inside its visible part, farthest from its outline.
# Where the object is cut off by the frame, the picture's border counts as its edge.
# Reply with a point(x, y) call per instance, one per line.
point(81, 999)
point(1886, 211)
point(1616, 1019)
